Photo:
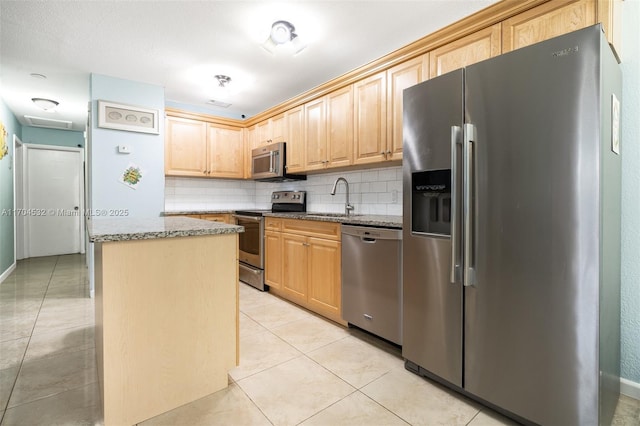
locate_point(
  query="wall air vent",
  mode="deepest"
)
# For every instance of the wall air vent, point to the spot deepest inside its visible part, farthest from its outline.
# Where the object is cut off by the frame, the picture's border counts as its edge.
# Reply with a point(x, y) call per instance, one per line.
point(218, 103)
point(48, 122)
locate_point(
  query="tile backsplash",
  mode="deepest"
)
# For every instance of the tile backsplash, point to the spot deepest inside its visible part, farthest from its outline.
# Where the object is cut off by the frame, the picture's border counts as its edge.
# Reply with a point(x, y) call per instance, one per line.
point(371, 191)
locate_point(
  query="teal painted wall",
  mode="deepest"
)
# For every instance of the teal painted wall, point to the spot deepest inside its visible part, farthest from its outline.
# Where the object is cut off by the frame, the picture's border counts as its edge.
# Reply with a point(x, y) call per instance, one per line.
point(630, 149)
point(147, 151)
point(42, 136)
point(12, 126)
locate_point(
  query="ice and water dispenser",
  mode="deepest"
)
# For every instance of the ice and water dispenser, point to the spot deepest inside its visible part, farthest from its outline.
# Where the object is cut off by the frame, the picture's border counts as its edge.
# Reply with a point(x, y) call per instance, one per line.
point(431, 202)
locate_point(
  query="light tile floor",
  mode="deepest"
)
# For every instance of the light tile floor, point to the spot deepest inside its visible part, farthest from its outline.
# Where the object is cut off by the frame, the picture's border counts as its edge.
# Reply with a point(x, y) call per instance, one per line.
point(295, 368)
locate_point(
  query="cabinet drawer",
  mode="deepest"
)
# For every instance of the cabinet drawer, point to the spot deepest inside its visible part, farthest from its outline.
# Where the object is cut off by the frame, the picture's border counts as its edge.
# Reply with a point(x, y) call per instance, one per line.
point(220, 217)
point(312, 228)
point(273, 224)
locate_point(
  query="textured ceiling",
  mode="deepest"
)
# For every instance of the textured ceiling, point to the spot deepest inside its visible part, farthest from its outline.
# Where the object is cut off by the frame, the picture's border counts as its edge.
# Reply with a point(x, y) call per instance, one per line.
point(180, 45)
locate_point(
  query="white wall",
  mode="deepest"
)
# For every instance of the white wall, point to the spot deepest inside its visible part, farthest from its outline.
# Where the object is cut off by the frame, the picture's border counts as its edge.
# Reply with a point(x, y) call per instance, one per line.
point(374, 191)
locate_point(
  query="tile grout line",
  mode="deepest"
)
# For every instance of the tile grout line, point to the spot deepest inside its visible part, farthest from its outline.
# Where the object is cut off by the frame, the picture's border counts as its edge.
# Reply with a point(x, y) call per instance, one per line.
point(6, 407)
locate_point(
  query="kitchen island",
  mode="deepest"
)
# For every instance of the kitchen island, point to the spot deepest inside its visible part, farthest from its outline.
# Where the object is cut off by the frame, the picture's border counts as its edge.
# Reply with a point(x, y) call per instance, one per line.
point(166, 312)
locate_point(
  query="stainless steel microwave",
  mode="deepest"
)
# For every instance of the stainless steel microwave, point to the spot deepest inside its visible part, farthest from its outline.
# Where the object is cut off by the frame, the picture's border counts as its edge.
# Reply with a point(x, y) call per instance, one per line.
point(269, 164)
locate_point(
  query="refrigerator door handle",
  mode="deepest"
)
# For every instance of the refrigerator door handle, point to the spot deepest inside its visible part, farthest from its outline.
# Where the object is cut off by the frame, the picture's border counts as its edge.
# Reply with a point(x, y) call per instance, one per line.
point(469, 145)
point(456, 261)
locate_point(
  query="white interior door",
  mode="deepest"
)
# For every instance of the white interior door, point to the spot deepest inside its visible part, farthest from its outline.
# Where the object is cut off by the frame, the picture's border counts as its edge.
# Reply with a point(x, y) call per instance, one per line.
point(54, 213)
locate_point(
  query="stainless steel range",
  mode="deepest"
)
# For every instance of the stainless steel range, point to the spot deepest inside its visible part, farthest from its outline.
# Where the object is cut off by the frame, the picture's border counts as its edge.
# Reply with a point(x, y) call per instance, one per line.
point(251, 241)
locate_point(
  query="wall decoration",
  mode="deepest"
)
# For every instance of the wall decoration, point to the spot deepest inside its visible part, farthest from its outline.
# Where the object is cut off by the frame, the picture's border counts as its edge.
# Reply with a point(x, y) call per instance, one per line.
point(4, 148)
point(131, 118)
point(131, 176)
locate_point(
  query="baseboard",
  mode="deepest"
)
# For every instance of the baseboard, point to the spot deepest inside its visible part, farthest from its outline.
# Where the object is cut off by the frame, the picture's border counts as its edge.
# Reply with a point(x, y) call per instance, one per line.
point(629, 388)
point(8, 272)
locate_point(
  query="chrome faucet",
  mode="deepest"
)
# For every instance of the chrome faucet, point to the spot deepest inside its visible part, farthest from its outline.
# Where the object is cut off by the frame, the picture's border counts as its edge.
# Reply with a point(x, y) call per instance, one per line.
point(347, 207)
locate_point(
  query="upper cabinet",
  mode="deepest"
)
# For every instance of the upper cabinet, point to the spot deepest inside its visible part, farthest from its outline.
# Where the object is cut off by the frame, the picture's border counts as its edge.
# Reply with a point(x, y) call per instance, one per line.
point(476, 47)
point(294, 135)
point(200, 149)
point(270, 131)
point(185, 152)
point(546, 21)
point(370, 112)
point(400, 77)
point(356, 119)
point(226, 152)
point(315, 135)
point(328, 130)
point(339, 114)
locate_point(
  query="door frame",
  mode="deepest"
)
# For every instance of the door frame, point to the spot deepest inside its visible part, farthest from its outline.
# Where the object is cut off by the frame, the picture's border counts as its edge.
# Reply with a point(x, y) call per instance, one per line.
point(21, 168)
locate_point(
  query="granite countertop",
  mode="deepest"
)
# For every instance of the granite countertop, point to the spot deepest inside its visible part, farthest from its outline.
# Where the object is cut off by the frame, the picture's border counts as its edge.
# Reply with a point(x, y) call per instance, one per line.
point(385, 221)
point(124, 229)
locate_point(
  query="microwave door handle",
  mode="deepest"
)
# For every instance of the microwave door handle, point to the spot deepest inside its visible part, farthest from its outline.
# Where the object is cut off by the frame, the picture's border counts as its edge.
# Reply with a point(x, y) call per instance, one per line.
point(272, 166)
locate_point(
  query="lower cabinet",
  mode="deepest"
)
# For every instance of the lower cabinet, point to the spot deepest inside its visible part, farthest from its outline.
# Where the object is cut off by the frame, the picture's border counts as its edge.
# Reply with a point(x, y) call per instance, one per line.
point(303, 261)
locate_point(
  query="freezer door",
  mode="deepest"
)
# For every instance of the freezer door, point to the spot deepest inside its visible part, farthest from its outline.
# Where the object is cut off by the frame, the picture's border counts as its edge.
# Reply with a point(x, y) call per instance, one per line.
point(432, 304)
point(531, 315)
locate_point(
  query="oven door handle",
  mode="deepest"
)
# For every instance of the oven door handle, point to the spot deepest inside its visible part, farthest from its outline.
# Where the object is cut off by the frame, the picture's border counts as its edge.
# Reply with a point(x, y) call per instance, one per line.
point(251, 218)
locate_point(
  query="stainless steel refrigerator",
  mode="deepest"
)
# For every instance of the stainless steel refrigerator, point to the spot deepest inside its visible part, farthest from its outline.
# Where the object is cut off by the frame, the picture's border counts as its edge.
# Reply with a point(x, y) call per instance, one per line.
point(511, 234)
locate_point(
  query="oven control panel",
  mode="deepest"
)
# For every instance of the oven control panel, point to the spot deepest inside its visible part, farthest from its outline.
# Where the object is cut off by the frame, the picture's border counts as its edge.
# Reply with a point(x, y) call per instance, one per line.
point(289, 197)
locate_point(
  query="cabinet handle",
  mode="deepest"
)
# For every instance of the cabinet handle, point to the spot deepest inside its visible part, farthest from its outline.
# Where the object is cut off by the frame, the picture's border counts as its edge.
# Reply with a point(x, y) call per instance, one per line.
point(305, 244)
point(389, 152)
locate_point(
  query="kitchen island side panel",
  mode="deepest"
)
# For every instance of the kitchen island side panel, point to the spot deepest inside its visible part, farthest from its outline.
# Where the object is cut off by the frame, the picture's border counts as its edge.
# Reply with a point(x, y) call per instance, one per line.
point(166, 324)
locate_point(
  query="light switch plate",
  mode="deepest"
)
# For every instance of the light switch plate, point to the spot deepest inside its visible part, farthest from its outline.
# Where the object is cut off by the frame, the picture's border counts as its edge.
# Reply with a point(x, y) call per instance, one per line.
point(124, 149)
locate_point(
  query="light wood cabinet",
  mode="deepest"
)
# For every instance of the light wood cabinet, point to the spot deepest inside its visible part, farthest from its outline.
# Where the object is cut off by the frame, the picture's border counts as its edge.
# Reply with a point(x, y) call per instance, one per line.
point(323, 277)
point(400, 77)
point(185, 150)
point(270, 130)
point(225, 152)
point(370, 111)
point(303, 264)
point(546, 21)
point(200, 149)
point(315, 135)
point(340, 127)
point(295, 139)
point(295, 260)
point(273, 252)
point(328, 127)
point(476, 47)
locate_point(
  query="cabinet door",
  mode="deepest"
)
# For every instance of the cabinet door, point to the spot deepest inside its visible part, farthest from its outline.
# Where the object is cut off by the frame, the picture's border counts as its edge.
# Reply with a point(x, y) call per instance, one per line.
point(340, 127)
point(273, 259)
point(400, 77)
point(278, 128)
point(315, 135)
point(226, 148)
point(294, 268)
point(295, 140)
point(546, 21)
point(263, 133)
point(324, 291)
point(476, 47)
point(185, 147)
point(370, 131)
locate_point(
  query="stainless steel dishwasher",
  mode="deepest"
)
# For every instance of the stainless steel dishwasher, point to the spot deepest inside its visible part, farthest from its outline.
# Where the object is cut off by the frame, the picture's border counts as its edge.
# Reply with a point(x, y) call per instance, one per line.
point(372, 280)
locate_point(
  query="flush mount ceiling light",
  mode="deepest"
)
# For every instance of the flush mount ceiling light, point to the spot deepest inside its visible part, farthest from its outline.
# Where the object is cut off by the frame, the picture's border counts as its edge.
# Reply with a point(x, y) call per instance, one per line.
point(46, 104)
point(223, 80)
point(283, 32)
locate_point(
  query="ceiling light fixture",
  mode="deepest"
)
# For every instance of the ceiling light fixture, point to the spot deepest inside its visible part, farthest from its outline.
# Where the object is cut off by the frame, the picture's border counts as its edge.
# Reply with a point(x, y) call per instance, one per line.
point(223, 80)
point(283, 32)
point(46, 104)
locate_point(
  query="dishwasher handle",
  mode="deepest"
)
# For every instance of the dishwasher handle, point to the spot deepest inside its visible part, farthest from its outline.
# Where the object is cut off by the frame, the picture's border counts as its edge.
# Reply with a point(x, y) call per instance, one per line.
point(371, 234)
